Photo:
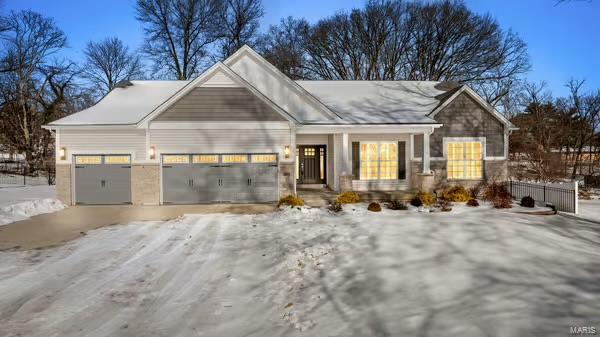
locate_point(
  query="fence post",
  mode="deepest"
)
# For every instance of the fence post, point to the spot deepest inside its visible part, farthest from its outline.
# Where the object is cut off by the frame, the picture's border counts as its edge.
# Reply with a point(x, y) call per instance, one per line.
point(576, 197)
point(24, 174)
point(544, 193)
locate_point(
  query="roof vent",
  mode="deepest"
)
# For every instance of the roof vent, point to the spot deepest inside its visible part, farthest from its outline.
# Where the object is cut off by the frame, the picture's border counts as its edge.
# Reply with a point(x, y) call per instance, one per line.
point(124, 84)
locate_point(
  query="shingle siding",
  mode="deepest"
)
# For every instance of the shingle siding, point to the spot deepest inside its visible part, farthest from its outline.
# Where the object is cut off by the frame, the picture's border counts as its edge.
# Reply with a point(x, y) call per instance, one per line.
point(219, 104)
point(464, 117)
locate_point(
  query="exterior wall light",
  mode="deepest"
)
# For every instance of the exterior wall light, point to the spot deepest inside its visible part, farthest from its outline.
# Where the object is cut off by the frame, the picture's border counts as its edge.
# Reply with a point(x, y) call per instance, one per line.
point(63, 153)
point(286, 152)
point(152, 152)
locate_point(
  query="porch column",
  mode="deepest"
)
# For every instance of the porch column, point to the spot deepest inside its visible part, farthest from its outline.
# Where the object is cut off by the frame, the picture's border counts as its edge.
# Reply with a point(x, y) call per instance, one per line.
point(346, 164)
point(426, 166)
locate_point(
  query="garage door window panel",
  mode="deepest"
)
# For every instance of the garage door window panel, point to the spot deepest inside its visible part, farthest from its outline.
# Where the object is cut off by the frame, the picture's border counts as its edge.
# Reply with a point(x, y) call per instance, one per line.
point(205, 159)
point(88, 160)
point(234, 158)
point(264, 158)
point(176, 159)
point(117, 160)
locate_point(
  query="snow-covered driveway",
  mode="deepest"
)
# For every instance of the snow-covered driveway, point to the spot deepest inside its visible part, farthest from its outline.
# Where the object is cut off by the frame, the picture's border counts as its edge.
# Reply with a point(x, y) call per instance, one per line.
point(311, 273)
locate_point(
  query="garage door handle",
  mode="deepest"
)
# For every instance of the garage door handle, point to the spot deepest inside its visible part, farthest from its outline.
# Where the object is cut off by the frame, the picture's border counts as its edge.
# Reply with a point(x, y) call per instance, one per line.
point(103, 183)
point(79, 166)
point(165, 166)
point(192, 182)
point(249, 181)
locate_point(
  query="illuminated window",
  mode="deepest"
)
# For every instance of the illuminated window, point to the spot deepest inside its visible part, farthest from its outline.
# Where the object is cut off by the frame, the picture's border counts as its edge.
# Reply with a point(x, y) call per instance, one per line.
point(176, 159)
point(117, 160)
point(205, 158)
point(309, 152)
point(322, 163)
point(88, 160)
point(378, 160)
point(234, 158)
point(264, 158)
point(465, 160)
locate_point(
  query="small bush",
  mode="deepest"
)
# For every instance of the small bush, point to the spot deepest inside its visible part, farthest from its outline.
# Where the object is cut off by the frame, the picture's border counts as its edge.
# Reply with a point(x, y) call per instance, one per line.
point(528, 202)
point(348, 198)
point(456, 193)
point(427, 198)
point(502, 203)
point(374, 207)
point(416, 201)
point(396, 205)
point(290, 200)
point(336, 207)
point(446, 208)
point(476, 190)
point(444, 205)
point(473, 203)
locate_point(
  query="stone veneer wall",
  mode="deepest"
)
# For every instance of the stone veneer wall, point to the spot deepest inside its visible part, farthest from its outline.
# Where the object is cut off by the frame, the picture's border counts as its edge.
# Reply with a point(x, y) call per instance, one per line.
point(494, 170)
point(287, 178)
point(145, 184)
point(63, 183)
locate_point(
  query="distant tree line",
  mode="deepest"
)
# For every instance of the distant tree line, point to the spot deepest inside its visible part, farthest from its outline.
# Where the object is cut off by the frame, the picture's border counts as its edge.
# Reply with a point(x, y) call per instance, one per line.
point(383, 40)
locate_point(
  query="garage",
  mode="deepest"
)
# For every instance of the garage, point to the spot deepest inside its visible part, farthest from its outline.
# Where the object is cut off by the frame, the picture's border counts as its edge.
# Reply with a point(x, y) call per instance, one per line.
point(206, 178)
point(102, 179)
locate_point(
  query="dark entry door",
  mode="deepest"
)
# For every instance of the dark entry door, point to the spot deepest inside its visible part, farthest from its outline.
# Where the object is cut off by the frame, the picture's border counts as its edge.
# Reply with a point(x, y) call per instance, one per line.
point(312, 160)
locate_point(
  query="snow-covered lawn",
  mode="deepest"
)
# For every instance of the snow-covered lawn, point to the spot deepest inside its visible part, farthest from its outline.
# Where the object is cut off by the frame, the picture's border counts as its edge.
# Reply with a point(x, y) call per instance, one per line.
point(590, 209)
point(19, 203)
point(470, 272)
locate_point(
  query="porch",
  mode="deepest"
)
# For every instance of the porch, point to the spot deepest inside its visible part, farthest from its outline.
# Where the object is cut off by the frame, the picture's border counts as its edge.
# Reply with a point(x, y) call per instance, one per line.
point(379, 160)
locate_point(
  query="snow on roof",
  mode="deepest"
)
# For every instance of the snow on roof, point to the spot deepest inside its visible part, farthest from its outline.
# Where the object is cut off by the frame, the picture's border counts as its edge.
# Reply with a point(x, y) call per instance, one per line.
point(126, 105)
point(372, 102)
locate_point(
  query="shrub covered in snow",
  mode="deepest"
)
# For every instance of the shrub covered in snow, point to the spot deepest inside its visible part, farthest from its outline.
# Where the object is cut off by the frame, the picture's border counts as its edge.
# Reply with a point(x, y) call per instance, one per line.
point(348, 198)
point(472, 203)
point(444, 205)
point(457, 193)
point(291, 200)
point(527, 201)
point(397, 205)
point(374, 207)
point(335, 207)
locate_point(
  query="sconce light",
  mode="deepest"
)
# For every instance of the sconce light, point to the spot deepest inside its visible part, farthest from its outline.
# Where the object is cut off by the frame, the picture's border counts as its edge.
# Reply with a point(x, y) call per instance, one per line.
point(63, 153)
point(152, 152)
point(286, 151)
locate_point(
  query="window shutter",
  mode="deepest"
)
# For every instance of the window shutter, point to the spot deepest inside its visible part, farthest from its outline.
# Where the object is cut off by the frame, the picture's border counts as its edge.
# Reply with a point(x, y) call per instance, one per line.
point(356, 160)
point(401, 160)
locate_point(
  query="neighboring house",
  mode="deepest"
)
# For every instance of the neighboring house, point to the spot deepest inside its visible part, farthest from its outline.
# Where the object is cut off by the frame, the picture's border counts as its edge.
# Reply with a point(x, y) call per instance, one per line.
point(244, 132)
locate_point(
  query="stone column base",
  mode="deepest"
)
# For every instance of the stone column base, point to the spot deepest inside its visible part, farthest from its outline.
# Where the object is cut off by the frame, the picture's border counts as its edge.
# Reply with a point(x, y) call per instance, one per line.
point(345, 182)
point(63, 184)
point(425, 182)
point(287, 179)
point(145, 184)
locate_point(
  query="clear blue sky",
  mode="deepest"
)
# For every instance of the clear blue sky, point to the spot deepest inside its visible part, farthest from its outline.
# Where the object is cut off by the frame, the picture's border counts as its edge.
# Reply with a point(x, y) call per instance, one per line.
point(563, 40)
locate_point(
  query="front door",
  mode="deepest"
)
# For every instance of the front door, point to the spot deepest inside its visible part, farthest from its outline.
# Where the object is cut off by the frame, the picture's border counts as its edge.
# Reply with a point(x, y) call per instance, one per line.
point(312, 160)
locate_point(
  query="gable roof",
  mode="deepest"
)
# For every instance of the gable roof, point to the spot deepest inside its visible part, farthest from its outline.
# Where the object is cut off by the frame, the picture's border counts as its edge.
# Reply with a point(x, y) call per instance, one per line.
point(379, 102)
point(125, 105)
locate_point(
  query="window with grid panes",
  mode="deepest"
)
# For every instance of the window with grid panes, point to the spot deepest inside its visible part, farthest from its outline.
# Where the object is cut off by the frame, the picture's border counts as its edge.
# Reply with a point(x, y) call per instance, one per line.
point(465, 160)
point(378, 160)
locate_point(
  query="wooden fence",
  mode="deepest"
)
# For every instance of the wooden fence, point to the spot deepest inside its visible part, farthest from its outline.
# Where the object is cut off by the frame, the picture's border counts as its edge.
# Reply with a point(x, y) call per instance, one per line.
point(562, 196)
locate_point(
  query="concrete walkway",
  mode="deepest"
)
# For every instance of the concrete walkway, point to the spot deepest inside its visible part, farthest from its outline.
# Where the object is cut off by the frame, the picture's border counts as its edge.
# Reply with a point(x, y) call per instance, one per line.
point(47, 230)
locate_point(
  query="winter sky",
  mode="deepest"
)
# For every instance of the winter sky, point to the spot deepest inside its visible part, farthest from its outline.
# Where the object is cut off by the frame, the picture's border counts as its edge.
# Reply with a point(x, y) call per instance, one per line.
point(563, 39)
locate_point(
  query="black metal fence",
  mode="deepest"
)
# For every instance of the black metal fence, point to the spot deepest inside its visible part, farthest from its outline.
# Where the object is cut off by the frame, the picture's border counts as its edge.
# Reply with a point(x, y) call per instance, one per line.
point(562, 196)
point(17, 173)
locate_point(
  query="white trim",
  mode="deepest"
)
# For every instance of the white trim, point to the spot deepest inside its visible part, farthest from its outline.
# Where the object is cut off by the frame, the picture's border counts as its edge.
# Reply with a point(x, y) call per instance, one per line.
point(218, 125)
point(198, 81)
point(426, 152)
point(366, 128)
point(245, 49)
point(479, 100)
point(89, 126)
point(75, 152)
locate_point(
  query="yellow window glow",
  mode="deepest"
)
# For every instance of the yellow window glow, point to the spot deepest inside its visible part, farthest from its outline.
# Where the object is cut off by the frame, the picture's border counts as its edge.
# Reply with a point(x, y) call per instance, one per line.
point(234, 158)
point(88, 160)
point(378, 160)
point(176, 159)
point(117, 159)
point(465, 160)
point(205, 159)
point(264, 158)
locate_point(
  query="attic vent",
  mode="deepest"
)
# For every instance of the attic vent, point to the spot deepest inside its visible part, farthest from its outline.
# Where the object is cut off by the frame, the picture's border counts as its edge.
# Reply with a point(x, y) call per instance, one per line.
point(124, 84)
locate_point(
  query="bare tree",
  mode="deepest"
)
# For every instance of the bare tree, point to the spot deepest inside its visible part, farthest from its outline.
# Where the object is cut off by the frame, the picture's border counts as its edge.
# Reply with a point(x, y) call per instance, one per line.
point(27, 44)
point(108, 62)
point(284, 46)
point(238, 24)
point(178, 34)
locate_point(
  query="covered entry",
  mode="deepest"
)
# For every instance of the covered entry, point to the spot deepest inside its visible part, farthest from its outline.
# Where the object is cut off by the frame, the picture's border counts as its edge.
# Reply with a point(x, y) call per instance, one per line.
point(102, 179)
point(205, 178)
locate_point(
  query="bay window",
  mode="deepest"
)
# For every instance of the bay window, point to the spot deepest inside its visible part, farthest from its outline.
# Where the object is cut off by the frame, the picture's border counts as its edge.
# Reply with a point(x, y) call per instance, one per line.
point(378, 160)
point(465, 160)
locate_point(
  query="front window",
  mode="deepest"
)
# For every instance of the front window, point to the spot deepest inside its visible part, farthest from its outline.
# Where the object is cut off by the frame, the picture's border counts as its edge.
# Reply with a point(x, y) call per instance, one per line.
point(378, 160)
point(465, 160)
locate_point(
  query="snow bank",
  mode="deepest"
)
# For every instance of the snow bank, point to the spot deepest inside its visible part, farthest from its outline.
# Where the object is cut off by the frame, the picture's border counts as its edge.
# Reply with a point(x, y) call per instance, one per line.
point(27, 209)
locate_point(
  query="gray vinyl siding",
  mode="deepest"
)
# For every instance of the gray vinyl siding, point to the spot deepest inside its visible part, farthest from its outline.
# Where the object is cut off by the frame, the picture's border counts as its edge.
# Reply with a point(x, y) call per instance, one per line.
point(464, 117)
point(220, 141)
point(220, 104)
point(104, 141)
